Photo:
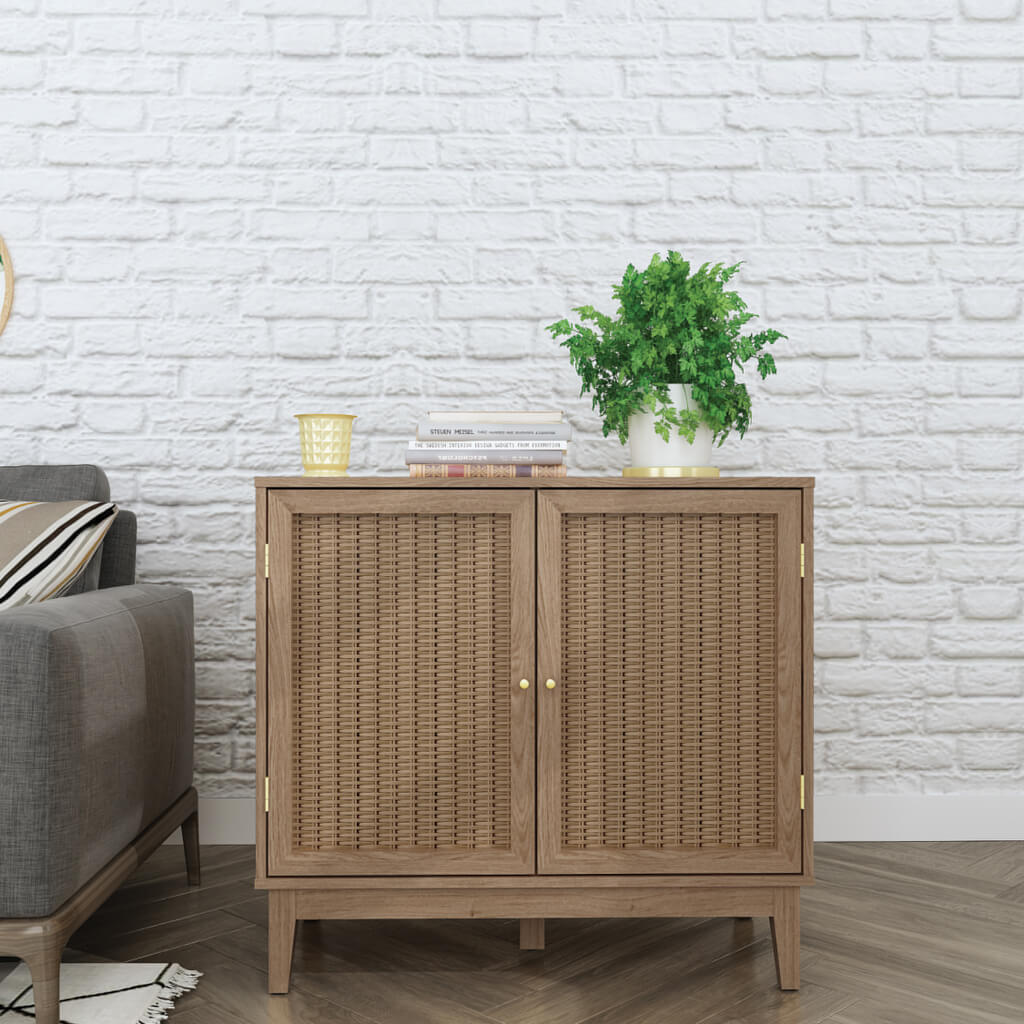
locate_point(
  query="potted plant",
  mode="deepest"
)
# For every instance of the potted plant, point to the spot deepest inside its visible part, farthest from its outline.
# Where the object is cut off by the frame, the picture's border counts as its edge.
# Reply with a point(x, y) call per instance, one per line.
point(663, 371)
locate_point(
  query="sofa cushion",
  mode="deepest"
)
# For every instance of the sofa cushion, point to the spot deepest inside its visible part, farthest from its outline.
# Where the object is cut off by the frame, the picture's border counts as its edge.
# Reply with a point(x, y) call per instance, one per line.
point(46, 546)
point(78, 483)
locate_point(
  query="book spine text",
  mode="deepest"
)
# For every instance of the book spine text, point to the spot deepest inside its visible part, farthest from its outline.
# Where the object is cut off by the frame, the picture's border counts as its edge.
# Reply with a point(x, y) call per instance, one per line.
point(491, 472)
point(430, 431)
point(485, 455)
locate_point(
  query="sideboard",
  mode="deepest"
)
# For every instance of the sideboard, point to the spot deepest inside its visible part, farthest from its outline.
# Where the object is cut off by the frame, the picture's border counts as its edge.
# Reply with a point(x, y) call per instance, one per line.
point(578, 697)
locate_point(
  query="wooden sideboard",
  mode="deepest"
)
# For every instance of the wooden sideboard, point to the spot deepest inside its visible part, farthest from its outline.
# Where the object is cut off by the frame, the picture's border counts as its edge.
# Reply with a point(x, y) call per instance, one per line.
point(583, 697)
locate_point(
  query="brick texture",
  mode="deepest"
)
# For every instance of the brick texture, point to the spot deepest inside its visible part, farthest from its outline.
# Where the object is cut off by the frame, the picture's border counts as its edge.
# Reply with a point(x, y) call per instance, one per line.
point(224, 214)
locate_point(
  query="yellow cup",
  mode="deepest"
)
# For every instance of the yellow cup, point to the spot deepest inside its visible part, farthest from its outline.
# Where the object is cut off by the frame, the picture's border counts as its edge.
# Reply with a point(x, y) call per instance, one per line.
point(326, 439)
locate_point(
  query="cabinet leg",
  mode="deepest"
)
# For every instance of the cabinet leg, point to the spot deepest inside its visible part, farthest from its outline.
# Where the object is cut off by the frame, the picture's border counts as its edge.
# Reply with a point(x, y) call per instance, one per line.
point(190, 841)
point(531, 933)
point(45, 969)
point(281, 941)
point(786, 937)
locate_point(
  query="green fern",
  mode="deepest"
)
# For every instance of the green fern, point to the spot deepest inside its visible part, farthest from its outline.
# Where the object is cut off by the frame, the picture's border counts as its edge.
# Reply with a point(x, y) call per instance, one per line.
point(672, 326)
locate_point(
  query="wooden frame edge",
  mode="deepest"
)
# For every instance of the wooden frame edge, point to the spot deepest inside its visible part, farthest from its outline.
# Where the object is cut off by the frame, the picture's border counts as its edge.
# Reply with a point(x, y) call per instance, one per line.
point(540, 483)
point(544, 883)
point(807, 724)
point(527, 902)
point(261, 682)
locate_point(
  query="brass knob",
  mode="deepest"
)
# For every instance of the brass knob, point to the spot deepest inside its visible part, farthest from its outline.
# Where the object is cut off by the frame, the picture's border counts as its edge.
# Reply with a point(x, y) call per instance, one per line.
point(550, 684)
point(524, 684)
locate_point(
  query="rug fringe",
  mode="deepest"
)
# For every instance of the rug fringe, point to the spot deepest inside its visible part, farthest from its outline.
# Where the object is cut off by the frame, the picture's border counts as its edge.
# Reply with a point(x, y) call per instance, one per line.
point(182, 981)
point(175, 985)
point(158, 1011)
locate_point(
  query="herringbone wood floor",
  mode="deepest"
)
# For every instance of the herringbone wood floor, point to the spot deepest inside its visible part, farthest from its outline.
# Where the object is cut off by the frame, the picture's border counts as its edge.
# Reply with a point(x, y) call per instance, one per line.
point(908, 933)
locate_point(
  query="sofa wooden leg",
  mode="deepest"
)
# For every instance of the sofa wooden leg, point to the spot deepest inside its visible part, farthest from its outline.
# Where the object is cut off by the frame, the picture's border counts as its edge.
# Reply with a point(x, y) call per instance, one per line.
point(786, 937)
point(281, 940)
point(190, 840)
point(45, 968)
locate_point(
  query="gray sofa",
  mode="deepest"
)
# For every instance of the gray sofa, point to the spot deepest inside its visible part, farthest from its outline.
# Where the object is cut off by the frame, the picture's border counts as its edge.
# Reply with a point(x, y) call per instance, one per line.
point(96, 730)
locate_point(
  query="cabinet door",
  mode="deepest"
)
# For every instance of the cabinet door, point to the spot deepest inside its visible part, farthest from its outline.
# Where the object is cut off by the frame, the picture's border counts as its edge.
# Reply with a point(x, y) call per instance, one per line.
point(400, 624)
point(669, 622)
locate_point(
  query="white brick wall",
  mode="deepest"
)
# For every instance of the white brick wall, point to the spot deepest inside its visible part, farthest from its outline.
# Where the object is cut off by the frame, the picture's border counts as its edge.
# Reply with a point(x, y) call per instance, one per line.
point(223, 214)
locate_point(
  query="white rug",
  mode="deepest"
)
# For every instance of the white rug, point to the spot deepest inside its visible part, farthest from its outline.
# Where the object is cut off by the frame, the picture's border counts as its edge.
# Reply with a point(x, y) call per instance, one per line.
point(102, 993)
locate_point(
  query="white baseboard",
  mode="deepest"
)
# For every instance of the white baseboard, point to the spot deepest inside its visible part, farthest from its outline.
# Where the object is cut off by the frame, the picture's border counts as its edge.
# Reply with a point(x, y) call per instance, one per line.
point(224, 821)
point(837, 819)
point(915, 818)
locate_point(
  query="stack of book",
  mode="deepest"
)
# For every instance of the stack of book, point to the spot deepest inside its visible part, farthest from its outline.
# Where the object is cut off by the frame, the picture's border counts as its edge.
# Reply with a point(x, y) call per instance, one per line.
point(489, 444)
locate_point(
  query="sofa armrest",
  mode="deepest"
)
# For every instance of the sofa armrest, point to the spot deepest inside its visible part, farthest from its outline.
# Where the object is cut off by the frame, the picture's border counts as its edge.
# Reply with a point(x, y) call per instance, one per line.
point(97, 707)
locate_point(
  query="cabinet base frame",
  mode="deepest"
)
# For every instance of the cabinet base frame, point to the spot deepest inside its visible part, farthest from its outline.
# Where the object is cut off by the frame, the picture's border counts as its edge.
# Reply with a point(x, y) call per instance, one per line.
point(781, 904)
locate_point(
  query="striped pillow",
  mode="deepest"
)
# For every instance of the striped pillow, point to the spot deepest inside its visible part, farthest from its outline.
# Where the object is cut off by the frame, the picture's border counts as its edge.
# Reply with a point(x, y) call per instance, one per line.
point(46, 545)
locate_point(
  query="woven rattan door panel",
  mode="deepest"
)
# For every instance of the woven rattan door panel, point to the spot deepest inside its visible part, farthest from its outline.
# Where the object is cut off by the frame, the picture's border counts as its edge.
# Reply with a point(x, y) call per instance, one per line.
point(399, 627)
point(670, 624)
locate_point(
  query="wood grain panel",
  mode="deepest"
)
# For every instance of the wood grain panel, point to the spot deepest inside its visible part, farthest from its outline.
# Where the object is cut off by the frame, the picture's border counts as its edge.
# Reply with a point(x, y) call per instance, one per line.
point(260, 583)
point(807, 669)
point(528, 902)
point(724, 483)
point(548, 882)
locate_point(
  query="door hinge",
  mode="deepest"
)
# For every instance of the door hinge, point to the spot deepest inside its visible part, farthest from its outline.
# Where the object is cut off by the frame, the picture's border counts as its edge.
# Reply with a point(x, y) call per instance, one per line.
point(266, 561)
point(801, 792)
point(801, 562)
point(266, 794)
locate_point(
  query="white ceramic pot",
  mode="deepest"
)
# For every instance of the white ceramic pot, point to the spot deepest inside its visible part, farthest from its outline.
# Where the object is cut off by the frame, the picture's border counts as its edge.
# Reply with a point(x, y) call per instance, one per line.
point(646, 448)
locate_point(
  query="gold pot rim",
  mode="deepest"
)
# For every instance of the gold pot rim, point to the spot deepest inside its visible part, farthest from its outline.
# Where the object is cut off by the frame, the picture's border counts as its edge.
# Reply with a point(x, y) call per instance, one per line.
point(325, 416)
point(671, 471)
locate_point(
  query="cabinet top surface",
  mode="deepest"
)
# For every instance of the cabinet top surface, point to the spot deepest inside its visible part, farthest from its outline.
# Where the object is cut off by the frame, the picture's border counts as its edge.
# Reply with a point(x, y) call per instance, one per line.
point(529, 483)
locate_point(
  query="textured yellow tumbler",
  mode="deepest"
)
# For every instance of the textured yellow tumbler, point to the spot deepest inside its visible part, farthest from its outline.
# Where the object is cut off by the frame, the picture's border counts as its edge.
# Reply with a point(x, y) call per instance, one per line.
point(326, 440)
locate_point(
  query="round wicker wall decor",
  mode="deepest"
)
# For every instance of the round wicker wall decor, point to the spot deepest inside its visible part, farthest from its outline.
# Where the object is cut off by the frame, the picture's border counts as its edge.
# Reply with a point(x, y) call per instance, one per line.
point(6, 285)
